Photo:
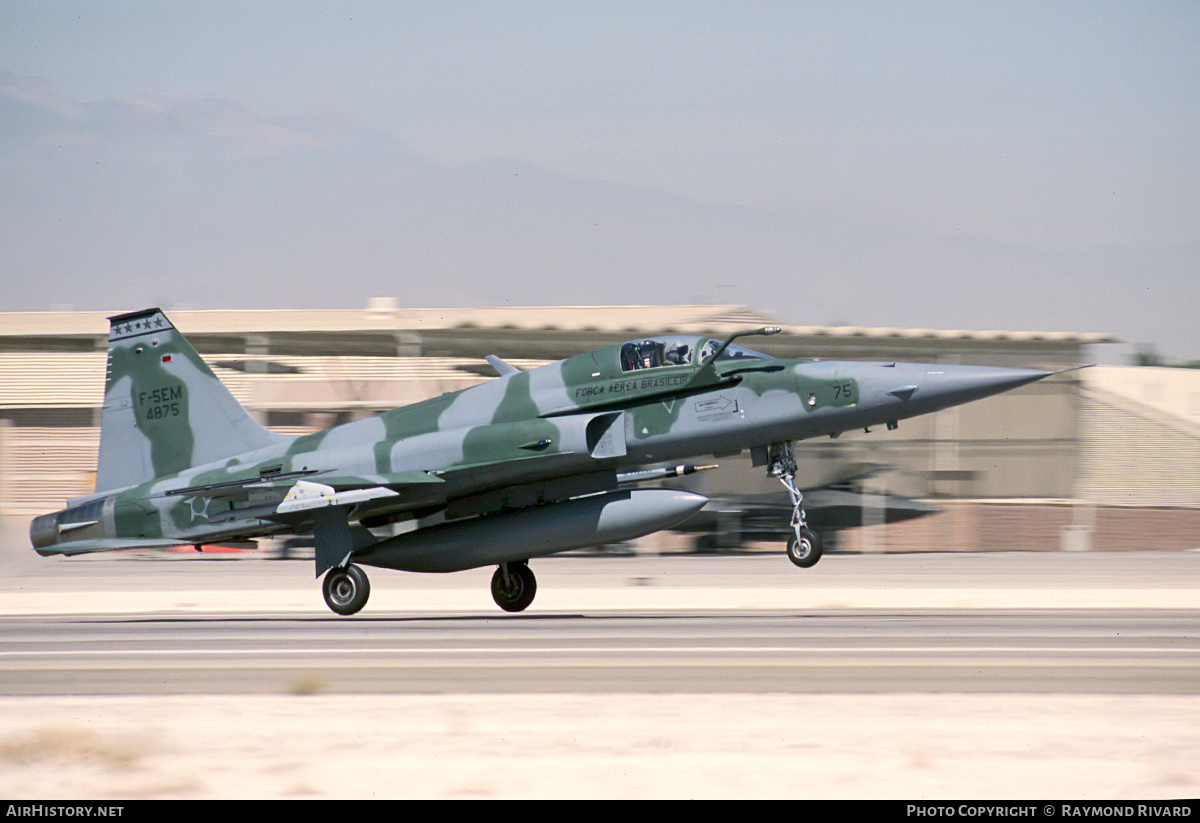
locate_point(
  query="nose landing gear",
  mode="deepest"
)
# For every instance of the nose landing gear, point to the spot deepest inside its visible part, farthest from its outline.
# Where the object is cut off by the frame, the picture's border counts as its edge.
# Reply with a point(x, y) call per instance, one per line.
point(804, 545)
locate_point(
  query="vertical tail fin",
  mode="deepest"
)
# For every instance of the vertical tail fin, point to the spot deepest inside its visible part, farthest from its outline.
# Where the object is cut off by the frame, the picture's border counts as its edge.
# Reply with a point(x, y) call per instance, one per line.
point(164, 409)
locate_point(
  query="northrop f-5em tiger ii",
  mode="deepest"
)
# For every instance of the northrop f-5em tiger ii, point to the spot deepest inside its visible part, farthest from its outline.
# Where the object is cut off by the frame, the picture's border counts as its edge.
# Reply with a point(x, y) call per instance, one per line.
point(528, 464)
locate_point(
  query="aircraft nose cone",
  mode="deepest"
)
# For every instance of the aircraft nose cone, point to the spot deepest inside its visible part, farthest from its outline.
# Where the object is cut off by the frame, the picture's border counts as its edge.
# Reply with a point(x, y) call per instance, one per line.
point(960, 384)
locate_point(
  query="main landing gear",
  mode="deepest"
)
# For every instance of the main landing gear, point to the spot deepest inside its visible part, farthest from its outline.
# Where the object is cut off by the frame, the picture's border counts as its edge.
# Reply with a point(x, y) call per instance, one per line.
point(346, 589)
point(514, 586)
point(804, 544)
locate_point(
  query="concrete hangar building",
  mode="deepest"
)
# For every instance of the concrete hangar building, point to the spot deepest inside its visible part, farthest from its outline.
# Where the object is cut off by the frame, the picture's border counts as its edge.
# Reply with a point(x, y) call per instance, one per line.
point(1103, 458)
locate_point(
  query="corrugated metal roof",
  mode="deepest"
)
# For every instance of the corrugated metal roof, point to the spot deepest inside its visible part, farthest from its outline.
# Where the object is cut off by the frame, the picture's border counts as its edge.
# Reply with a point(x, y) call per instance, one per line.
point(634, 319)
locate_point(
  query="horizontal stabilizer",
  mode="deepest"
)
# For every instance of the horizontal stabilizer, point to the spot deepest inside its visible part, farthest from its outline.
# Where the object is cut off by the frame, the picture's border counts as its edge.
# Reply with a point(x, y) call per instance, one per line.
point(109, 544)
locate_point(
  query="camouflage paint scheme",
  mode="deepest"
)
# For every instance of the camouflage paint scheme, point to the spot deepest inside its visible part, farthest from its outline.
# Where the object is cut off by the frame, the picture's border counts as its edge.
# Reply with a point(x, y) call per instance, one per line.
point(181, 462)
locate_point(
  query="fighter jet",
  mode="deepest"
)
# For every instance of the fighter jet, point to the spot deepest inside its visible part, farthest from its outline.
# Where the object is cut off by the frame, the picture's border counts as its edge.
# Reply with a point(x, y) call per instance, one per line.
point(528, 464)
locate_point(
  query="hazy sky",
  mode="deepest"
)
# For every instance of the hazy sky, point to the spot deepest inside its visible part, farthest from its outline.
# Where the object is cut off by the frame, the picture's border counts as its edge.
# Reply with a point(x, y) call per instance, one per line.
point(1051, 130)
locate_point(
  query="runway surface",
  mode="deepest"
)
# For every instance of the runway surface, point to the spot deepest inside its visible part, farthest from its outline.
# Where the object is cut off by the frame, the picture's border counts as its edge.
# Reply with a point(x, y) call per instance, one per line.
point(736, 652)
point(181, 624)
point(1001, 675)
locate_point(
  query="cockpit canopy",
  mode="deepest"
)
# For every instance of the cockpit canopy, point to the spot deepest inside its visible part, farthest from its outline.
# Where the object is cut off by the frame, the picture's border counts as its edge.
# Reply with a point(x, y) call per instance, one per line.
point(678, 350)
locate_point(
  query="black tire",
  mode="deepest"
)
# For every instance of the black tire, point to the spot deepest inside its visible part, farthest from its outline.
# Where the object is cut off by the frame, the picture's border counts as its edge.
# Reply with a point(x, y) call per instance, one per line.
point(346, 589)
point(517, 593)
point(806, 551)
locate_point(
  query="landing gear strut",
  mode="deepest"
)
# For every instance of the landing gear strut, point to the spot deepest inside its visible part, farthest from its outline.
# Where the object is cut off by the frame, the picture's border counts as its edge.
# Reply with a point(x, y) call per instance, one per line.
point(804, 544)
point(513, 586)
point(346, 589)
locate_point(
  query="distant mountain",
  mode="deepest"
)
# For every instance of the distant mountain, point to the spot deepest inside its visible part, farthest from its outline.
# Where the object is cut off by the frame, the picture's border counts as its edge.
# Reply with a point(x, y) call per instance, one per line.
point(173, 200)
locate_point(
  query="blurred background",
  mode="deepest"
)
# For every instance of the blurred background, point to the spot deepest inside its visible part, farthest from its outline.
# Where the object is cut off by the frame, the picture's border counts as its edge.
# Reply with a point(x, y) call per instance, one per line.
point(1102, 458)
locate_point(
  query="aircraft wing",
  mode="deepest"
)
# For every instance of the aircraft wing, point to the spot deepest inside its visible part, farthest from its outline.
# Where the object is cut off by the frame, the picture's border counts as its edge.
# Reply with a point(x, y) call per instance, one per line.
point(245, 488)
point(295, 496)
point(493, 474)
